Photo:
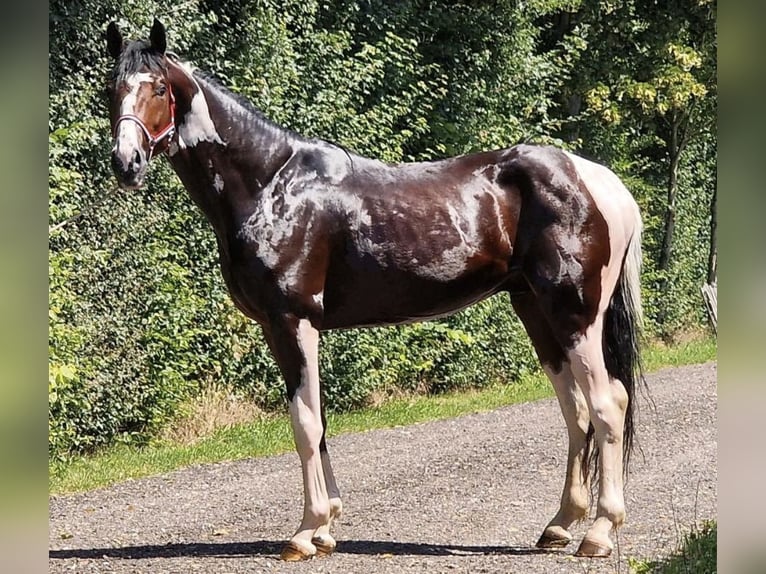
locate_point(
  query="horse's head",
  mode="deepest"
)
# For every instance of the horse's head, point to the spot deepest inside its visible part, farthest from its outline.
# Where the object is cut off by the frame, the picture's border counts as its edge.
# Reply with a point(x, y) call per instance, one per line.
point(141, 103)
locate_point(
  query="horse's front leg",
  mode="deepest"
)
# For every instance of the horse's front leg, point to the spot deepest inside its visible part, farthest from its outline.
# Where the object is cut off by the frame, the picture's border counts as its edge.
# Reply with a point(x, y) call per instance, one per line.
point(323, 540)
point(295, 343)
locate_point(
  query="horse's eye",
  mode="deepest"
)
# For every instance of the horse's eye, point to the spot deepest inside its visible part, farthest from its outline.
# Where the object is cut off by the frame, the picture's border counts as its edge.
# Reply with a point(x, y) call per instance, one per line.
point(160, 90)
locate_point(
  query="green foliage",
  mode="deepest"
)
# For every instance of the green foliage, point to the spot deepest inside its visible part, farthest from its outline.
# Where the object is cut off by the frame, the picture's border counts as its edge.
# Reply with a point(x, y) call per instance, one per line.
point(484, 344)
point(697, 554)
point(139, 317)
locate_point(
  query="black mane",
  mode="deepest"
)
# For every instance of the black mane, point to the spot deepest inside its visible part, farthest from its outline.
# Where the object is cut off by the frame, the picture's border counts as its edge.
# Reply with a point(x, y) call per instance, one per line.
point(210, 79)
point(137, 56)
point(259, 117)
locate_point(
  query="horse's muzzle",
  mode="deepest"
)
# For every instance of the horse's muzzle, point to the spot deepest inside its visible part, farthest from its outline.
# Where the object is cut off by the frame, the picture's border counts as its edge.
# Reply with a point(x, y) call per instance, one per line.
point(129, 170)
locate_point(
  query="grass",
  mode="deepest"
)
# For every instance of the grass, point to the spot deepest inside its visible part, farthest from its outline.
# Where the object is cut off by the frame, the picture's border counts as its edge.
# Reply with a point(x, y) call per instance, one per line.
point(691, 350)
point(697, 554)
point(270, 434)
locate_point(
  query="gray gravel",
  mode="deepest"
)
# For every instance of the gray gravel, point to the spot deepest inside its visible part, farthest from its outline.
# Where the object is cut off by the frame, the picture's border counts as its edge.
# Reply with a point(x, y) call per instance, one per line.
point(470, 494)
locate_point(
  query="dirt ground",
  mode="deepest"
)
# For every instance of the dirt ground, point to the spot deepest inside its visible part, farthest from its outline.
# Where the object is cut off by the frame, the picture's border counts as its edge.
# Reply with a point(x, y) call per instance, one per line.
point(470, 494)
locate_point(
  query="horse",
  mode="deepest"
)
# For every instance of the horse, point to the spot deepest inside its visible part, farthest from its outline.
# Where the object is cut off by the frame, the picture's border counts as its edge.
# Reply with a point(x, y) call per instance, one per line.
point(313, 237)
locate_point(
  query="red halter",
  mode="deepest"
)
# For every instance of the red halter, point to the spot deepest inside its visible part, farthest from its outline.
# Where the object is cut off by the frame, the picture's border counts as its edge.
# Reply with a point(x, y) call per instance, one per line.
point(156, 138)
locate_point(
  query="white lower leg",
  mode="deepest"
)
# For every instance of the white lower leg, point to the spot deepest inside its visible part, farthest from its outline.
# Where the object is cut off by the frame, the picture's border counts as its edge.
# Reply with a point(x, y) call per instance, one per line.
point(574, 497)
point(306, 422)
point(322, 534)
point(333, 492)
point(316, 506)
point(607, 403)
point(608, 424)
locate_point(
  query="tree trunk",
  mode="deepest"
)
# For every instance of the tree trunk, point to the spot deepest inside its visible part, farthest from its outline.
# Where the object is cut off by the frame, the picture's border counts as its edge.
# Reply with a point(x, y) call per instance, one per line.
point(674, 149)
point(712, 259)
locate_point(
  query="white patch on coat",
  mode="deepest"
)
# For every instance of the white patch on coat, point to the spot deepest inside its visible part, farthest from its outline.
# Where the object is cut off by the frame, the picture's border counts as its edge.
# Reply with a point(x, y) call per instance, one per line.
point(314, 200)
point(500, 221)
point(464, 217)
point(291, 202)
point(218, 183)
point(336, 166)
point(620, 211)
point(197, 125)
point(264, 228)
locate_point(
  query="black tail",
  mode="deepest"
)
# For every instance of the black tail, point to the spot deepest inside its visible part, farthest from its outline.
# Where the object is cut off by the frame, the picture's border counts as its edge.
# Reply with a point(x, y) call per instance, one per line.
point(621, 343)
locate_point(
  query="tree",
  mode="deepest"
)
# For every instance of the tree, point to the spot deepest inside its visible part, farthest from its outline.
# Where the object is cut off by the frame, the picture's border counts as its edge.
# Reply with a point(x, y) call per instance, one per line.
point(644, 89)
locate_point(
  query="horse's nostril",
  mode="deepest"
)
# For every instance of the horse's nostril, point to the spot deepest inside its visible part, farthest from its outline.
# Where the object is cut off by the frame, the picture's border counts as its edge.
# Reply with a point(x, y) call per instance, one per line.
point(125, 168)
point(117, 165)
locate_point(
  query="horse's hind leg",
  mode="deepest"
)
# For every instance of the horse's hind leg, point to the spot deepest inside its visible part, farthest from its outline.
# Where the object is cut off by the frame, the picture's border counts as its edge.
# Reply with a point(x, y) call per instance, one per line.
point(574, 497)
point(607, 402)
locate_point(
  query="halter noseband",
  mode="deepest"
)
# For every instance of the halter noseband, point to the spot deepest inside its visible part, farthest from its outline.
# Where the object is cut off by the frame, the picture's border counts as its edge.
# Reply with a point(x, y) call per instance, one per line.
point(156, 138)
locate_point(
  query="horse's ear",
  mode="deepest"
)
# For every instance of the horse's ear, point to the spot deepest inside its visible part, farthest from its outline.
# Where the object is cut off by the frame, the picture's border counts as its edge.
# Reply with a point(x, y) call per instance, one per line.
point(113, 40)
point(157, 36)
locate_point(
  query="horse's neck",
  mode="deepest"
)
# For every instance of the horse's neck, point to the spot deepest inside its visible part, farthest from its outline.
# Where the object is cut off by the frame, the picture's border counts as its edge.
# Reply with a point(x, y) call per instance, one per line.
point(246, 133)
point(225, 155)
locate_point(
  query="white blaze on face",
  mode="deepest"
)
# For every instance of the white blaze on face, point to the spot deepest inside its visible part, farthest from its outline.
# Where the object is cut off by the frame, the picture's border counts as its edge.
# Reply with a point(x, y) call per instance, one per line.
point(127, 138)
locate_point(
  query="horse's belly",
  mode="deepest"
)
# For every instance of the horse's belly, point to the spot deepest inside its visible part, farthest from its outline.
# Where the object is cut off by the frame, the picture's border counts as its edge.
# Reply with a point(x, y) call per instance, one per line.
point(401, 297)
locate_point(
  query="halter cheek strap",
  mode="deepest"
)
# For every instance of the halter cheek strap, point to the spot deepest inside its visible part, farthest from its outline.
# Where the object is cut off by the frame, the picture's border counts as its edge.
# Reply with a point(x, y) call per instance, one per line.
point(153, 138)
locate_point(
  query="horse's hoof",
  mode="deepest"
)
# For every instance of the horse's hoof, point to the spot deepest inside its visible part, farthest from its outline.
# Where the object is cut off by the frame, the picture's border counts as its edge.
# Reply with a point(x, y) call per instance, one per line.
point(591, 549)
point(554, 537)
point(292, 552)
point(325, 545)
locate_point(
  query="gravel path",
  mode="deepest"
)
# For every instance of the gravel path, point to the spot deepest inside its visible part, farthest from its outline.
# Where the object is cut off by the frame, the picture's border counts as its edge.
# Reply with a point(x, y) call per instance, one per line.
point(470, 494)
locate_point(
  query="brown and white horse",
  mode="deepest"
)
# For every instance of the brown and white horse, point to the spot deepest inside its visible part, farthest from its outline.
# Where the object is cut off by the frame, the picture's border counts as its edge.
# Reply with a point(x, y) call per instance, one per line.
point(312, 237)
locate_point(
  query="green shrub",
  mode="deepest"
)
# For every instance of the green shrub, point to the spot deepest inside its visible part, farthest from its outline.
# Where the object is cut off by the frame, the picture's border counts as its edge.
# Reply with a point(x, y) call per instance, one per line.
point(481, 345)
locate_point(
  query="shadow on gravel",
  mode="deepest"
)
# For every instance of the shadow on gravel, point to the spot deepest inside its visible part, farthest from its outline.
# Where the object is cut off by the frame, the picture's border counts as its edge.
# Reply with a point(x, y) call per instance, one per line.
point(270, 547)
point(427, 549)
